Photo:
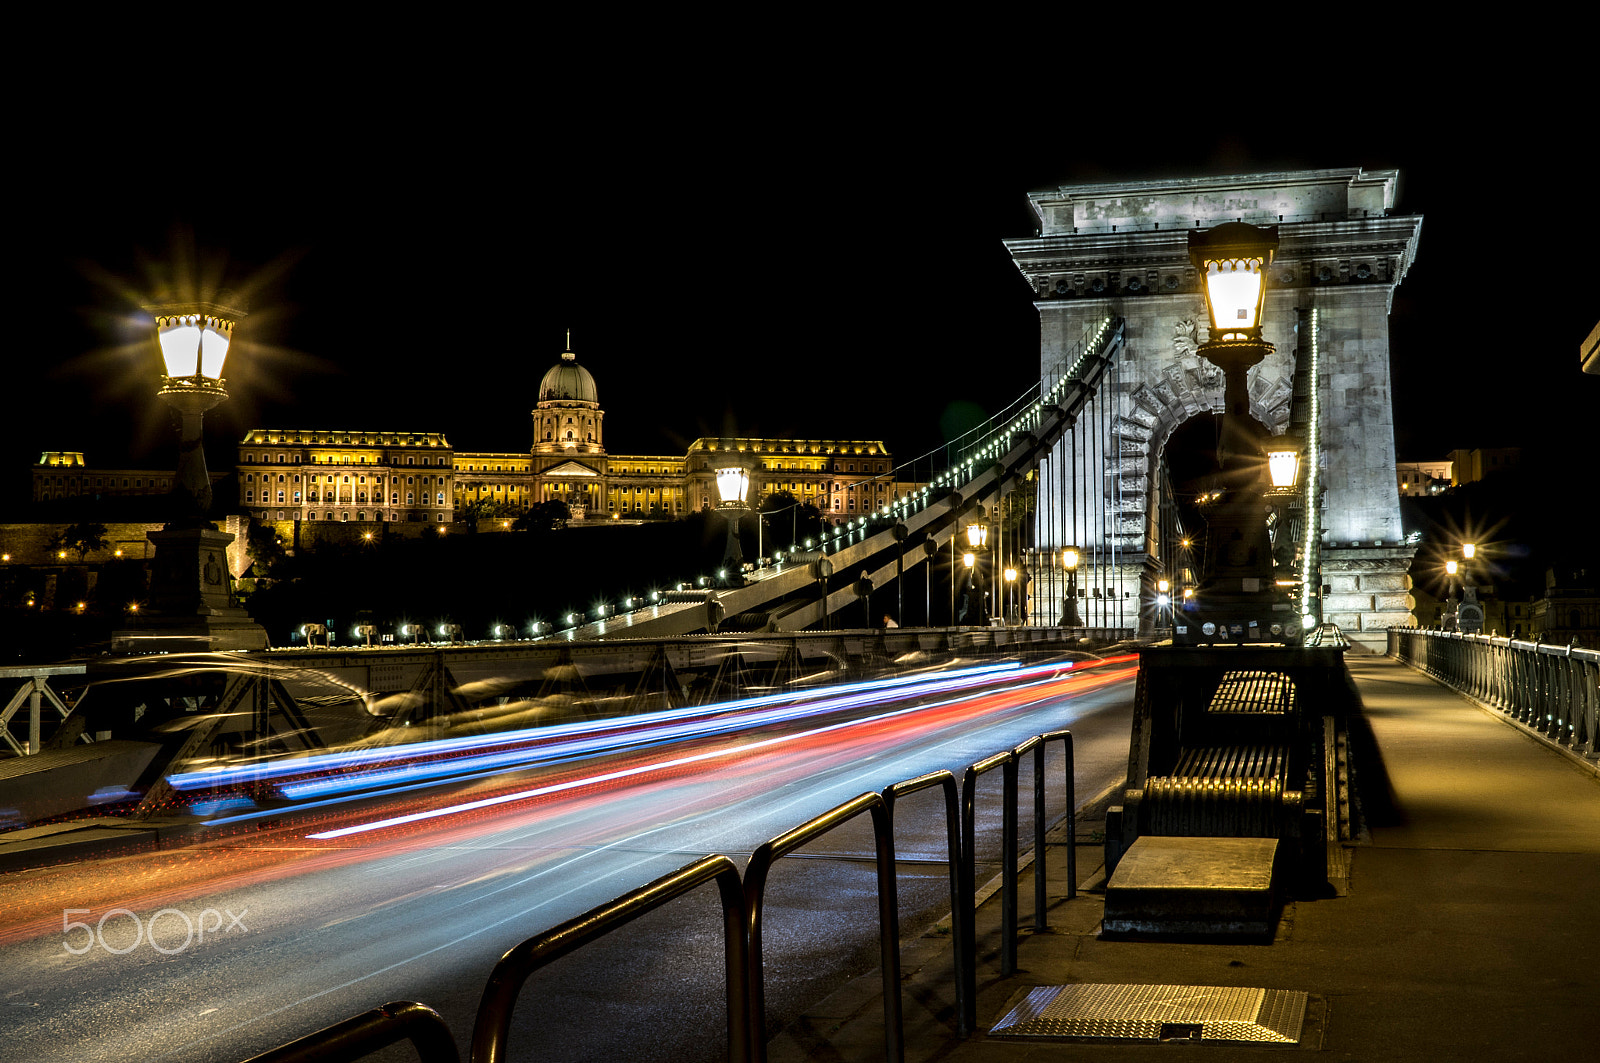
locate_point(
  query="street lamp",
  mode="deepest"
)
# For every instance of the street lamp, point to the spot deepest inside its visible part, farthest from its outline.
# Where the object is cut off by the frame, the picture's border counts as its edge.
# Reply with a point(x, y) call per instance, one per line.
point(1069, 614)
point(977, 539)
point(194, 339)
point(192, 606)
point(1283, 464)
point(1237, 601)
point(733, 484)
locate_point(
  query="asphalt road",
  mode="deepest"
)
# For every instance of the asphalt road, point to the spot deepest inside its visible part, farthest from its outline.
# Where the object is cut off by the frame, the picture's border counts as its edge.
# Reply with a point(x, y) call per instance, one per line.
point(220, 951)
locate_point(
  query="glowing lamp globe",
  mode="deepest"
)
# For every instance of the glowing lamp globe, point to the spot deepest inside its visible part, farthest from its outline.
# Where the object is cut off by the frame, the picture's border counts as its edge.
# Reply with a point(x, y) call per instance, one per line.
point(194, 339)
point(1283, 463)
point(733, 483)
point(1232, 259)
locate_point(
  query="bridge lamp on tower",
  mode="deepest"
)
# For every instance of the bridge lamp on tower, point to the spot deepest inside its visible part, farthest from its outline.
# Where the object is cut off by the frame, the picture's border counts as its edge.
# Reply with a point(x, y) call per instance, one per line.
point(1283, 465)
point(1237, 600)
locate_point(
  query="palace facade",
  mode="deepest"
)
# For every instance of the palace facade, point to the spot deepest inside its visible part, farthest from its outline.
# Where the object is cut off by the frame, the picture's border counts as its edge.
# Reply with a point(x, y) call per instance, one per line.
point(417, 479)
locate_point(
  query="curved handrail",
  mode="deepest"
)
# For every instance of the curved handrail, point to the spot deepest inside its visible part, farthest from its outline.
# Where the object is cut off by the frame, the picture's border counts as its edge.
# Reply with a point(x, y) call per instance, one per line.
point(491, 1031)
point(952, 821)
point(967, 1021)
point(755, 884)
point(364, 1034)
point(742, 908)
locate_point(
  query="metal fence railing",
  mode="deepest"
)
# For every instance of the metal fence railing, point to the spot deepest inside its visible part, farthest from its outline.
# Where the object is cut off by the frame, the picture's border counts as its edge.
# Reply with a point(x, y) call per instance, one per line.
point(1551, 689)
point(755, 884)
point(741, 907)
point(372, 1031)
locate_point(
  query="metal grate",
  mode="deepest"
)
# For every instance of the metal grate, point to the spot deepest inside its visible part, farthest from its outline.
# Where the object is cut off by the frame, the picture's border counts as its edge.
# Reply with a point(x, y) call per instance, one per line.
point(1157, 1013)
point(1253, 692)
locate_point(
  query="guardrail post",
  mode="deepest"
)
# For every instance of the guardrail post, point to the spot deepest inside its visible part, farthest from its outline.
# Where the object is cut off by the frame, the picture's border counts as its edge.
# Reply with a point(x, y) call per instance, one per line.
point(1008, 868)
point(1070, 767)
point(952, 820)
point(491, 1031)
point(755, 884)
point(967, 1020)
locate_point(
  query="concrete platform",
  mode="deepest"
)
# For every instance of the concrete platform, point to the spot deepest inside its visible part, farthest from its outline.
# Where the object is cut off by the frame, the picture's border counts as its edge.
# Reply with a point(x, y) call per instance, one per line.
point(1210, 887)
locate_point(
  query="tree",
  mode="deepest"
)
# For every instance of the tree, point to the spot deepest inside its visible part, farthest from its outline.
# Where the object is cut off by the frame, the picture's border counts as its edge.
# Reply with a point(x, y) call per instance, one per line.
point(542, 517)
point(264, 547)
point(84, 537)
point(789, 519)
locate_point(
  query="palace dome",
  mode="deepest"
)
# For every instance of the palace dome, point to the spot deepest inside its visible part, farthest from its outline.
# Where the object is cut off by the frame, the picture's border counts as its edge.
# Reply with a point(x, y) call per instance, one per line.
point(568, 382)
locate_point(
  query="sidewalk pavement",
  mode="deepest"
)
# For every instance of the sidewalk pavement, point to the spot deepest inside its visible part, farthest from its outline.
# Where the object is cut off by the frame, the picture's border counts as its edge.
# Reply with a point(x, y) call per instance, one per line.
point(1465, 923)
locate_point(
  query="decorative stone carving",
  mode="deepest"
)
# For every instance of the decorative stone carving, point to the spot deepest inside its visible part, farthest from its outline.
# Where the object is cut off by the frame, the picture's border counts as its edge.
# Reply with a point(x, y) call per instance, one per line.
point(1186, 342)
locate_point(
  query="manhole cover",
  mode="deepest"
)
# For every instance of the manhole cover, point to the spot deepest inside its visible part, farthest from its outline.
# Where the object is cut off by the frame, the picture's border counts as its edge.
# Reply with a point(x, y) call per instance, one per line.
point(1157, 1013)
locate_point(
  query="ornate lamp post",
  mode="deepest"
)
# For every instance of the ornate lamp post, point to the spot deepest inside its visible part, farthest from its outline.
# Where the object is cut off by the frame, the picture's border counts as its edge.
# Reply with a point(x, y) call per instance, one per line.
point(1236, 600)
point(733, 485)
point(194, 340)
point(1469, 616)
point(191, 601)
point(1283, 464)
point(1069, 611)
point(977, 540)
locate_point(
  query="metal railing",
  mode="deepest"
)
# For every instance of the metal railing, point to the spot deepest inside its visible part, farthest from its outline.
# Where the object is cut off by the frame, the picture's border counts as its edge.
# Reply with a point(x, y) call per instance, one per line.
point(492, 1030)
point(369, 1032)
point(1552, 690)
point(966, 932)
point(34, 691)
point(755, 885)
point(741, 908)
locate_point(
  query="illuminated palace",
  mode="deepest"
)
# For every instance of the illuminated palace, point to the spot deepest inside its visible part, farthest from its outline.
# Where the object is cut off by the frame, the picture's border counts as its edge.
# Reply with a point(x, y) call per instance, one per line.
point(419, 479)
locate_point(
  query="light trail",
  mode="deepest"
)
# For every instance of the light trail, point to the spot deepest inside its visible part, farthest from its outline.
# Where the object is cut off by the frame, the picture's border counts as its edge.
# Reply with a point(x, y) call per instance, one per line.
point(394, 770)
point(263, 770)
point(1046, 676)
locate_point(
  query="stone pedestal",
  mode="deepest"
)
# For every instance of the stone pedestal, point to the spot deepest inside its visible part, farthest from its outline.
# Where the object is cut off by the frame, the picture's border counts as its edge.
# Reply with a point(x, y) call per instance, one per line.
point(1369, 591)
point(191, 606)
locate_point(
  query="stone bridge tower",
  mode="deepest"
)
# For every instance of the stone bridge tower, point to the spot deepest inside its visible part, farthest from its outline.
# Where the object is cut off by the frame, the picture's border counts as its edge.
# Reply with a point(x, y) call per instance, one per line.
point(1122, 249)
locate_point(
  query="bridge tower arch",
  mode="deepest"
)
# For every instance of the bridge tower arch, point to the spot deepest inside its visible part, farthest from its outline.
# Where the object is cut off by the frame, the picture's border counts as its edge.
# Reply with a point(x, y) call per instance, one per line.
point(1121, 249)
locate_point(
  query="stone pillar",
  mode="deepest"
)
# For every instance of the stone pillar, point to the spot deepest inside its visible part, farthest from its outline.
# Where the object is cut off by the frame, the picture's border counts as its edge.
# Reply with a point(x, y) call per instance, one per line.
point(1369, 591)
point(1121, 249)
point(191, 601)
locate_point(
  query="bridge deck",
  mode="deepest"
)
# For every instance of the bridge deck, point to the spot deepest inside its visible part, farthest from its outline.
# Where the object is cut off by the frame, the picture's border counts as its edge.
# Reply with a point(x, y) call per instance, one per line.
point(1466, 927)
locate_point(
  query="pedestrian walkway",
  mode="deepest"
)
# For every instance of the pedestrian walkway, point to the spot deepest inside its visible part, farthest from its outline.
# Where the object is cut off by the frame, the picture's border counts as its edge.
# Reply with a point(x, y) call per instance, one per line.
point(1468, 926)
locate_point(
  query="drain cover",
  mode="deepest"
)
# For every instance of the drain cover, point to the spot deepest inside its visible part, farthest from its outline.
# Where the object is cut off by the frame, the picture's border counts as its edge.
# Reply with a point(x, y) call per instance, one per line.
point(1157, 1013)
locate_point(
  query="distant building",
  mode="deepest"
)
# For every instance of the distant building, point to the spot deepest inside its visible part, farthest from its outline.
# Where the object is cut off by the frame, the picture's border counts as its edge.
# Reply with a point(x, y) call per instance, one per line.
point(418, 478)
point(62, 474)
point(1570, 608)
point(413, 480)
point(1470, 466)
point(1422, 477)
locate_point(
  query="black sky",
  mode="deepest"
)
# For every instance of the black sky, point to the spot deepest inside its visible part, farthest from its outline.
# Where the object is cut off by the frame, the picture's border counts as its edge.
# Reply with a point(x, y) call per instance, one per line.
point(730, 257)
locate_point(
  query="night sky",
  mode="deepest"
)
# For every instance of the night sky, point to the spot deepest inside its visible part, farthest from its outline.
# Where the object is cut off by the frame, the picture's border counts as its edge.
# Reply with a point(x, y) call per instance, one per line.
point(729, 261)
